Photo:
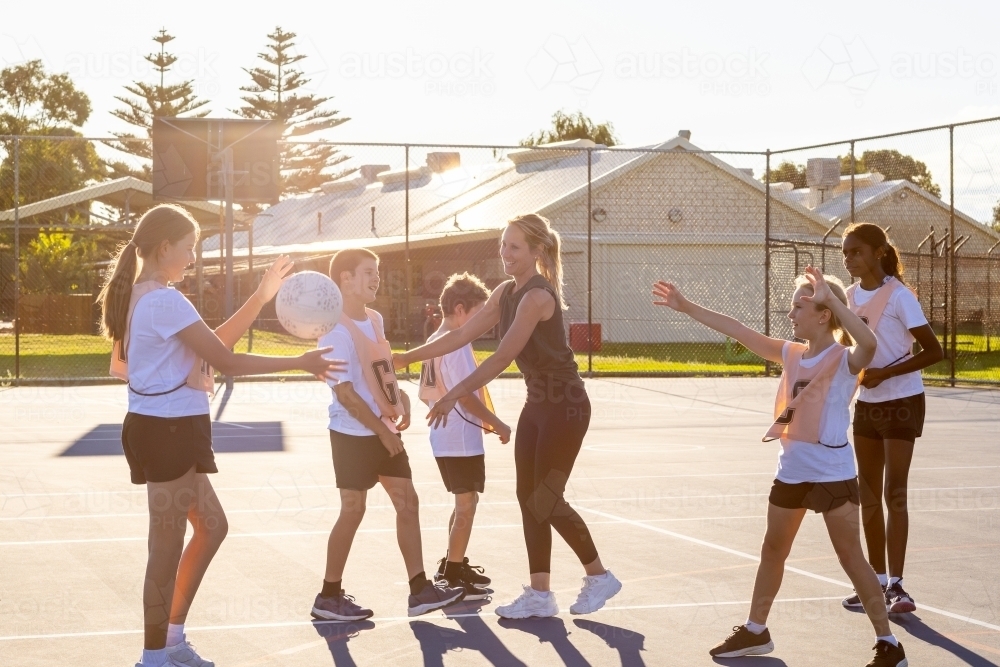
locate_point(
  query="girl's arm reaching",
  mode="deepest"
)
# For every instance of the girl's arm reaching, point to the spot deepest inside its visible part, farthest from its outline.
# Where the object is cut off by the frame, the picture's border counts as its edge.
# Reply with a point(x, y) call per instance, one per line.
point(230, 331)
point(859, 356)
point(763, 346)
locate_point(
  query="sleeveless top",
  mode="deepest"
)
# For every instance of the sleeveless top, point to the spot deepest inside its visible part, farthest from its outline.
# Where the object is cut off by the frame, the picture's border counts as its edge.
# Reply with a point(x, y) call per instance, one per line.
point(546, 357)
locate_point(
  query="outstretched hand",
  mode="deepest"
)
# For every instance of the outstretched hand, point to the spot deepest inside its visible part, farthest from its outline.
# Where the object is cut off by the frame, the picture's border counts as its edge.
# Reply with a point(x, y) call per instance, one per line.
point(668, 295)
point(821, 290)
point(323, 368)
point(438, 415)
point(273, 278)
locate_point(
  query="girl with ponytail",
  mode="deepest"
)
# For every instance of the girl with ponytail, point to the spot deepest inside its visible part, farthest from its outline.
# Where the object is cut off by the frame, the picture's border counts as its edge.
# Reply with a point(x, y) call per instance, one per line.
point(554, 419)
point(889, 415)
point(165, 351)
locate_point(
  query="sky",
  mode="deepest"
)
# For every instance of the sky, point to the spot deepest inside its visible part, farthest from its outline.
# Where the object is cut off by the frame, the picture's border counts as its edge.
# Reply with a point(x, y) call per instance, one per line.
point(739, 75)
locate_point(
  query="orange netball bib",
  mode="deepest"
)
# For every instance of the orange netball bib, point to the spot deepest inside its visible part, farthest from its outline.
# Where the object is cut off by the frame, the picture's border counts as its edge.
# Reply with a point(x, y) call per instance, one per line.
point(432, 386)
point(376, 366)
point(802, 393)
point(871, 312)
point(202, 376)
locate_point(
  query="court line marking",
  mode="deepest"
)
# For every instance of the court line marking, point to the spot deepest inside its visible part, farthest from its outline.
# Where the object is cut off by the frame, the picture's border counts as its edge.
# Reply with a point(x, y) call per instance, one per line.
point(387, 619)
point(381, 506)
point(264, 487)
point(805, 573)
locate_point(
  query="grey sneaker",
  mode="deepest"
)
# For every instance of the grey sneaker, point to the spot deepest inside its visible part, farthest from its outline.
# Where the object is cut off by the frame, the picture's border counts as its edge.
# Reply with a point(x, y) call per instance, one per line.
point(339, 608)
point(433, 597)
point(854, 601)
point(183, 654)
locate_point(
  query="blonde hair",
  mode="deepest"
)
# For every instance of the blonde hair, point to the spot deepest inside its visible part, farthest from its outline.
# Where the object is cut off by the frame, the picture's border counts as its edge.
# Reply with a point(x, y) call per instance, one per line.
point(465, 289)
point(837, 287)
point(539, 234)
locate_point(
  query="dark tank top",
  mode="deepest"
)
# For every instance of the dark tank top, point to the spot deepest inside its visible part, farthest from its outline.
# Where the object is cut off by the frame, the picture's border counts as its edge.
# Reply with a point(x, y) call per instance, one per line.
point(546, 357)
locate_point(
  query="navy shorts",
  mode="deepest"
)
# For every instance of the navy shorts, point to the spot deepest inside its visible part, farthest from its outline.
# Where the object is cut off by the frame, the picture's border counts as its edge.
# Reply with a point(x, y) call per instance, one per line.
point(162, 449)
point(359, 460)
point(463, 474)
point(816, 496)
point(898, 419)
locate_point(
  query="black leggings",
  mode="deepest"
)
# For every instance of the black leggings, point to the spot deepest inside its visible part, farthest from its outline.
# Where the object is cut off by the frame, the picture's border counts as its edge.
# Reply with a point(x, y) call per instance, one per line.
point(549, 436)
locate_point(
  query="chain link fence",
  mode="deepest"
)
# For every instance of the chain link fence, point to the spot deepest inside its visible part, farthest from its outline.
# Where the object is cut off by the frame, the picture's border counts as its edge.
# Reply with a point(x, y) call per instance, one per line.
point(732, 229)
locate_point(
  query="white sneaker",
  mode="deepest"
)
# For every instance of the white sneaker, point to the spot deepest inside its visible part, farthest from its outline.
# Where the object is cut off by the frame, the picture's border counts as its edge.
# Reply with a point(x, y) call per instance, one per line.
point(595, 592)
point(529, 604)
point(184, 655)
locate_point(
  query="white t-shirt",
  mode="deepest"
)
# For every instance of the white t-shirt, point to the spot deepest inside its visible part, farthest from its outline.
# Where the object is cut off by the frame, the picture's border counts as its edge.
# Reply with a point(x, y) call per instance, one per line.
point(158, 360)
point(459, 437)
point(809, 462)
point(341, 420)
point(901, 314)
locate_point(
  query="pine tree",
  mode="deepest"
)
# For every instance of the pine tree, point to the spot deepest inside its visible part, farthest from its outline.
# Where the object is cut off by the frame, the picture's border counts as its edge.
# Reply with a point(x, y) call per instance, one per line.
point(153, 100)
point(273, 96)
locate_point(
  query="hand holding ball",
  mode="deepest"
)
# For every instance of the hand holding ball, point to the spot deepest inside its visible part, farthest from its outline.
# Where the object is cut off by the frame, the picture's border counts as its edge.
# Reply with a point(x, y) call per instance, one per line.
point(309, 305)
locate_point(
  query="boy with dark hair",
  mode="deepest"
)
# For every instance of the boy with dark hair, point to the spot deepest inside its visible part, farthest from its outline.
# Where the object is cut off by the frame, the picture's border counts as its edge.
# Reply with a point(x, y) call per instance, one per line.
point(458, 446)
point(367, 412)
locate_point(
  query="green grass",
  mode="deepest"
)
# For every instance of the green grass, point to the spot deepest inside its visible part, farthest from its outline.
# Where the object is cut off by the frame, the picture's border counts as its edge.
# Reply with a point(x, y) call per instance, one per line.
point(76, 356)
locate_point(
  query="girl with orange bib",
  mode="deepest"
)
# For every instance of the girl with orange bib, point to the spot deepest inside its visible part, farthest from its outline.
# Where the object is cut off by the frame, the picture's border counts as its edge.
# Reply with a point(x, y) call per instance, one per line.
point(815, 464)
point(889, 414)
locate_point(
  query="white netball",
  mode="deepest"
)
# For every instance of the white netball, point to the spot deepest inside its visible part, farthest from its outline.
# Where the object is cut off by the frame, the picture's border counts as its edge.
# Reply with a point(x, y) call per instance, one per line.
point(309, 305)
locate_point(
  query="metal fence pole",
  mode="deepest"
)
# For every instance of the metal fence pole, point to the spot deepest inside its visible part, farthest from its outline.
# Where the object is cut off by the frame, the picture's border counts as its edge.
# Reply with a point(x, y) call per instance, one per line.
point(252, 281)
point(988, 319)
point(17, 259)
point(953, 283)
point(406, 255)
point(852, 181)
point(767, 253)
point(590, 312)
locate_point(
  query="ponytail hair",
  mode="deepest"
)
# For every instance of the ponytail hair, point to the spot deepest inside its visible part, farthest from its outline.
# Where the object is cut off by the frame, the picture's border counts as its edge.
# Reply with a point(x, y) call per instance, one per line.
point(166, 222)
point(837, 287)
point(539, 233)
point(875, 237)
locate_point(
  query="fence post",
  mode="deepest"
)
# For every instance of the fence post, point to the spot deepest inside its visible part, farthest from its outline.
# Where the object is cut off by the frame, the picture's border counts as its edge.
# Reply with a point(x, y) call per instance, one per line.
point(852, 181)
point(953, 283)
point(590, 312)
point(989, 293)
point(406, 255)
point(767, 253)
point(17, 260)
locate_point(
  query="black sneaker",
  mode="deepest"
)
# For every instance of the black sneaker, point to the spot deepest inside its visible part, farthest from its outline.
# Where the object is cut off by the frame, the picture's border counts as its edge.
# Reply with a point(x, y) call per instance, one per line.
point(854, 602)
point(339, 608)
point(472, 591)
point(898, 601)
point(433, 597)
point(887, 655)
point(743, 642)
point(473, 573)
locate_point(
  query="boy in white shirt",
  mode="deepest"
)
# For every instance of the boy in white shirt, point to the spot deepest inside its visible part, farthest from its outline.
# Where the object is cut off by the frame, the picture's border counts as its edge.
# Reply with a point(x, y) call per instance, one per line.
point(367, 412)
point(458, 445)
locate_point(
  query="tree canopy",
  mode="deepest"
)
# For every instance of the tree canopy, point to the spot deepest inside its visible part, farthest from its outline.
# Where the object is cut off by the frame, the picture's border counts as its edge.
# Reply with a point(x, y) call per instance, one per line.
point(276, 93)
point(789, 172)
point(566, 127)
point(894, 166)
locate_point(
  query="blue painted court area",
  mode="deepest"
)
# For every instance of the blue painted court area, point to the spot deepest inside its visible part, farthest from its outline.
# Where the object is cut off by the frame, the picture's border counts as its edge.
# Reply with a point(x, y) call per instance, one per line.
point(673, 481)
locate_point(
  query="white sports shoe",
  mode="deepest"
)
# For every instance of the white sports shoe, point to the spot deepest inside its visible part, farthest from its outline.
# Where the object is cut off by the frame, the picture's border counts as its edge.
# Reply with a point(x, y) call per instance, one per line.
point(529, 604)
point(184, 655)
point(595, 592)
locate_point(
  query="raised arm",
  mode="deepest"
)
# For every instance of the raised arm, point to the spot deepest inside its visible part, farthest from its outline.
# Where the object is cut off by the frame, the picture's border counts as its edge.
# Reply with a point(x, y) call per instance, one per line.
point(763, 346)
point(230, 331)
point(859, 356)
point(487, 318)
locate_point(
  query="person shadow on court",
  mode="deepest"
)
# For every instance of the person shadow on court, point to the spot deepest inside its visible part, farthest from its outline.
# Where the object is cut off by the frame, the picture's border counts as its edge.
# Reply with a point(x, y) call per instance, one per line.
point(472, 635)
point(920, 630)
point(337, 634)
point(628, 643)
point(550, 630)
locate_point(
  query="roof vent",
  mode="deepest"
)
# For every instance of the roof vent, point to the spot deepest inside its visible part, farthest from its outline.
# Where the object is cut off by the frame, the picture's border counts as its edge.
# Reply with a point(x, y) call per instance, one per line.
point(823, 172)
point(370, 172)
point(684, 134)
point(559, 150)
point(400, 175)
point(441, 162)
point(343, 185)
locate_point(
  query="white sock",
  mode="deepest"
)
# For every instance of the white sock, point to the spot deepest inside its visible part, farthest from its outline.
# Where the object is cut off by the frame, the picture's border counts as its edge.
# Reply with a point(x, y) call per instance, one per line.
point(542, 594)
point(154, 658)
point(755, 628)
point(894, 580)
point(888, 638)
point(175, 634)
point(883, 579)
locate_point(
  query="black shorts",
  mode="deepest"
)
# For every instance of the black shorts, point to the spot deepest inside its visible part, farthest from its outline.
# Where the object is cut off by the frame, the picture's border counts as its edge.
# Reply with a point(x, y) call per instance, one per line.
point(463, 474)
point(898, 419)
point(816, 496)
point(162, 449)
point(359, 460)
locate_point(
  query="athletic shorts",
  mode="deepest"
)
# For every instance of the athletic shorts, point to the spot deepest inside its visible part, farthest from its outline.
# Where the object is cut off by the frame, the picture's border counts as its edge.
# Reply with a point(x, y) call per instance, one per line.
point(359, 460)
point(162, 449)
point(816, 496)
point(463, 474)
point(898, 419)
